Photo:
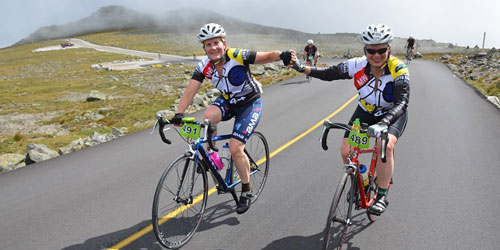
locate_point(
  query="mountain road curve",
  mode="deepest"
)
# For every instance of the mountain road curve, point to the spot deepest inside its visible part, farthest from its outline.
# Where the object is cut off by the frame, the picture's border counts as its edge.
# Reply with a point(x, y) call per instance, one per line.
point(156, 57)
point(444, 194)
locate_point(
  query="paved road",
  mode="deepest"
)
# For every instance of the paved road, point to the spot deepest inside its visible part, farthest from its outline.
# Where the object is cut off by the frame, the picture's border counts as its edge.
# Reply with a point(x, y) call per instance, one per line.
point(156, 57)
point(444, 196)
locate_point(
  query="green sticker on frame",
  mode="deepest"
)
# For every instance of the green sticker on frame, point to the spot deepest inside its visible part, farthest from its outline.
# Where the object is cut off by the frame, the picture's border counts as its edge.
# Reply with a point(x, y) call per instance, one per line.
point(191, 130)
point(356, 139)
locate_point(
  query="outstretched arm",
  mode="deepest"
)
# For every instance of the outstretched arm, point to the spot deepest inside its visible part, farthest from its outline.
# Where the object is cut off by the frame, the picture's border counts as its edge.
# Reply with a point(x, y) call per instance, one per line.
point(188, 95)
point(328, 74)
point(267, 57)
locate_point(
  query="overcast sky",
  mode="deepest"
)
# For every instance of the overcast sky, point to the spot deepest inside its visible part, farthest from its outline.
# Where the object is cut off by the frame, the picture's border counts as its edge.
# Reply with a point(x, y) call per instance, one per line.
point(461, 22)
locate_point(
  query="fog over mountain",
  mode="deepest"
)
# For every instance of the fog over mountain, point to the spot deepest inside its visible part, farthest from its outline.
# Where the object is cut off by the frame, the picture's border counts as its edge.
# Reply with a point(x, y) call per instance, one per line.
point(189, 21)
point(119, 18)
point(105, 19)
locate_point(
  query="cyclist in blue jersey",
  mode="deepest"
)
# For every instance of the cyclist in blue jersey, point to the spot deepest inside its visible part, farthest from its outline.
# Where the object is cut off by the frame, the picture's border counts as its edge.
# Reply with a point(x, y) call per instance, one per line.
point(229, 70)
point(383, 84)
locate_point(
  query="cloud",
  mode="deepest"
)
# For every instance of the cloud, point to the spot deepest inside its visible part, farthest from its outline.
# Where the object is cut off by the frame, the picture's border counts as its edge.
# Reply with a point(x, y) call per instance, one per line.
point(453, 21)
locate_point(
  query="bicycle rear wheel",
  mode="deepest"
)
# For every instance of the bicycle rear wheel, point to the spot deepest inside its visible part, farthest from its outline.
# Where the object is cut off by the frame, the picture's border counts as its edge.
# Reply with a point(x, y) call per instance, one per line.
point(176, 218)
point(339, 217)
point(257, 152)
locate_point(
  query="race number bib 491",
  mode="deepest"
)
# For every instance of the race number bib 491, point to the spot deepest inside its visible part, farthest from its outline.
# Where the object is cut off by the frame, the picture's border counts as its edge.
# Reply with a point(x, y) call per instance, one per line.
point(191, 130)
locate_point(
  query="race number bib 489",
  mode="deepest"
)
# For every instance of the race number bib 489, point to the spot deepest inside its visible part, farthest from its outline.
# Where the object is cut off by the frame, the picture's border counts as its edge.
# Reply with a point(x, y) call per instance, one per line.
point(360, 140)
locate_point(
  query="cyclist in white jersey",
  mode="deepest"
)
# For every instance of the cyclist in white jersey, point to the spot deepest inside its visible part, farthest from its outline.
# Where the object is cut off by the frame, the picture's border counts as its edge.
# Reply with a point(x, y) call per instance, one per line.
point(383, 83)
point(229, 71)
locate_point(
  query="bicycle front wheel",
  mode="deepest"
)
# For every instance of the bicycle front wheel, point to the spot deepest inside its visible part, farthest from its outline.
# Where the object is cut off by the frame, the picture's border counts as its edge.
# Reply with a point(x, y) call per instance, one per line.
point(339, 217)
point(177, 211)
point(257, 152)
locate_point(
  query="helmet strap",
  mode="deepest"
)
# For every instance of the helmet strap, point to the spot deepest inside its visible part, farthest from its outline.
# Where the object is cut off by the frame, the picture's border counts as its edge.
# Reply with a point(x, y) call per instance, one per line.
point(221, 60)
point(386, 61)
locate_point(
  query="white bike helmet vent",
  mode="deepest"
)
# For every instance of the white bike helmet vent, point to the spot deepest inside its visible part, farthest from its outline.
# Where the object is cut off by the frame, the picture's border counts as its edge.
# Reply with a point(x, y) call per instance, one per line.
point(377, 34)
point(210, 30)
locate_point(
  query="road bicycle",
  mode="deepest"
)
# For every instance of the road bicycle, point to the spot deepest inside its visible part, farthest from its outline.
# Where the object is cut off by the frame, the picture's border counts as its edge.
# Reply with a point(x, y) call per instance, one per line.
point(351, 191)
point(408, 55)
point(310, 62)
point(181, 195)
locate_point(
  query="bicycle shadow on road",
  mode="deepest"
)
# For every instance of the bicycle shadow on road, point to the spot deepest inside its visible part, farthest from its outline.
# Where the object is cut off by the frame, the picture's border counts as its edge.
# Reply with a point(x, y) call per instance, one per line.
point(316, 241)
point(211, 219)
point(297, 242)
point(215, 212)
point(295, 82)
point(105, 241)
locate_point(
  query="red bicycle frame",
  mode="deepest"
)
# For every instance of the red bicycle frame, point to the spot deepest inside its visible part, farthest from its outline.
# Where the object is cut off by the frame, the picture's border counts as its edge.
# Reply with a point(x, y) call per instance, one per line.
point(365, 202)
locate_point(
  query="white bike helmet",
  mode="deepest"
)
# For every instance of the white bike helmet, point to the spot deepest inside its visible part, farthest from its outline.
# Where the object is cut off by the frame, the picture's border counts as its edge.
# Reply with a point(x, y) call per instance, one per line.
point(210, 30)
point(377, 34)
point(310, 41)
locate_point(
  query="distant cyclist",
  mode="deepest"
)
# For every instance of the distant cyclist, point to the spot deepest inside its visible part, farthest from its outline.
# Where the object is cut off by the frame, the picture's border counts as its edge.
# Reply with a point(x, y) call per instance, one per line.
point(383, 84)
point(310, 54)
point(229, 70)
point(410, 44)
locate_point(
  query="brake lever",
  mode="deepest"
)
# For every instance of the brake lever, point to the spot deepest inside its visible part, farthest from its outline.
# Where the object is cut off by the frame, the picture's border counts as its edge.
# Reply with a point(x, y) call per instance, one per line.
point(154, 127)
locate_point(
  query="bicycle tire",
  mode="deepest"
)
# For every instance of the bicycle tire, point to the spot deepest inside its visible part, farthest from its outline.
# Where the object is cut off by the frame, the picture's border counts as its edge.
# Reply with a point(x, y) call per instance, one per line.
point(257, 151)
point(174, 222)
point(340, 214)
point(408, 56)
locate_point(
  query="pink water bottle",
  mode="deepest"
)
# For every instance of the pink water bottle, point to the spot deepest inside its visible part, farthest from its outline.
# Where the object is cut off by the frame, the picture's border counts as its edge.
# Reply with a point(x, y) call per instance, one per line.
point(215, 159)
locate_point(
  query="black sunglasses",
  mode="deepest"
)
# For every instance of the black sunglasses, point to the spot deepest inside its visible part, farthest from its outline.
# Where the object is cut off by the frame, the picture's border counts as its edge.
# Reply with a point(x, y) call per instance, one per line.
point(373, 51)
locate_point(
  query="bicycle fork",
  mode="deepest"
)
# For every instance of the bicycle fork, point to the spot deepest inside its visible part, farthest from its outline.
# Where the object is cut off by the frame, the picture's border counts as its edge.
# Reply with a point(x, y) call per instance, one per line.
point(189, 153)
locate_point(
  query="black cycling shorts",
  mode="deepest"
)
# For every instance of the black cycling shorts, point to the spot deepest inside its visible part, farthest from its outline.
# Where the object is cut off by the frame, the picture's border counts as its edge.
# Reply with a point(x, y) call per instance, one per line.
point(396, 129)
point(247, 116)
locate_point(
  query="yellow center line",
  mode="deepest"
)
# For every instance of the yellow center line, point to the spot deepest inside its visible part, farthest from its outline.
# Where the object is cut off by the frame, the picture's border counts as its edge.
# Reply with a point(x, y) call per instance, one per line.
point(149, 228)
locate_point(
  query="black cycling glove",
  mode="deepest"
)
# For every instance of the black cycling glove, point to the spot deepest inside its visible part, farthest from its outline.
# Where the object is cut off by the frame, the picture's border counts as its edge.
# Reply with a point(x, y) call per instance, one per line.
point(177, 119)
point(298, 66)
point(286, 57)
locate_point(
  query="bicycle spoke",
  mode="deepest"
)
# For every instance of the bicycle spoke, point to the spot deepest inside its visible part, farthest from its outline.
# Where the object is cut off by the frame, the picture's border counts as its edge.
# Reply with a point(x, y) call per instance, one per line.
point(257, 152)
point(177, 211)
point(339, 217)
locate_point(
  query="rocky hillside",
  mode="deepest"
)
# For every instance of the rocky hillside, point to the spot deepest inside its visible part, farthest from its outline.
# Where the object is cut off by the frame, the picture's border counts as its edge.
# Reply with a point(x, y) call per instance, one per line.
point(479, 69)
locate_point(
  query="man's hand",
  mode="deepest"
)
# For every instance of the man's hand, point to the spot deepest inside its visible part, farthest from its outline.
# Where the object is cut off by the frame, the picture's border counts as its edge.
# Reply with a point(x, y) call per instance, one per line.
point(286, 57)
point(377, 129)
point(177, 119)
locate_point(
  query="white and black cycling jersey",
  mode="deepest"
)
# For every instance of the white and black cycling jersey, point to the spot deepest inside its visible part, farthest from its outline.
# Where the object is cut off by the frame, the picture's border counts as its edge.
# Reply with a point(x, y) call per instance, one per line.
point(388, 99)
point(236, 83)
